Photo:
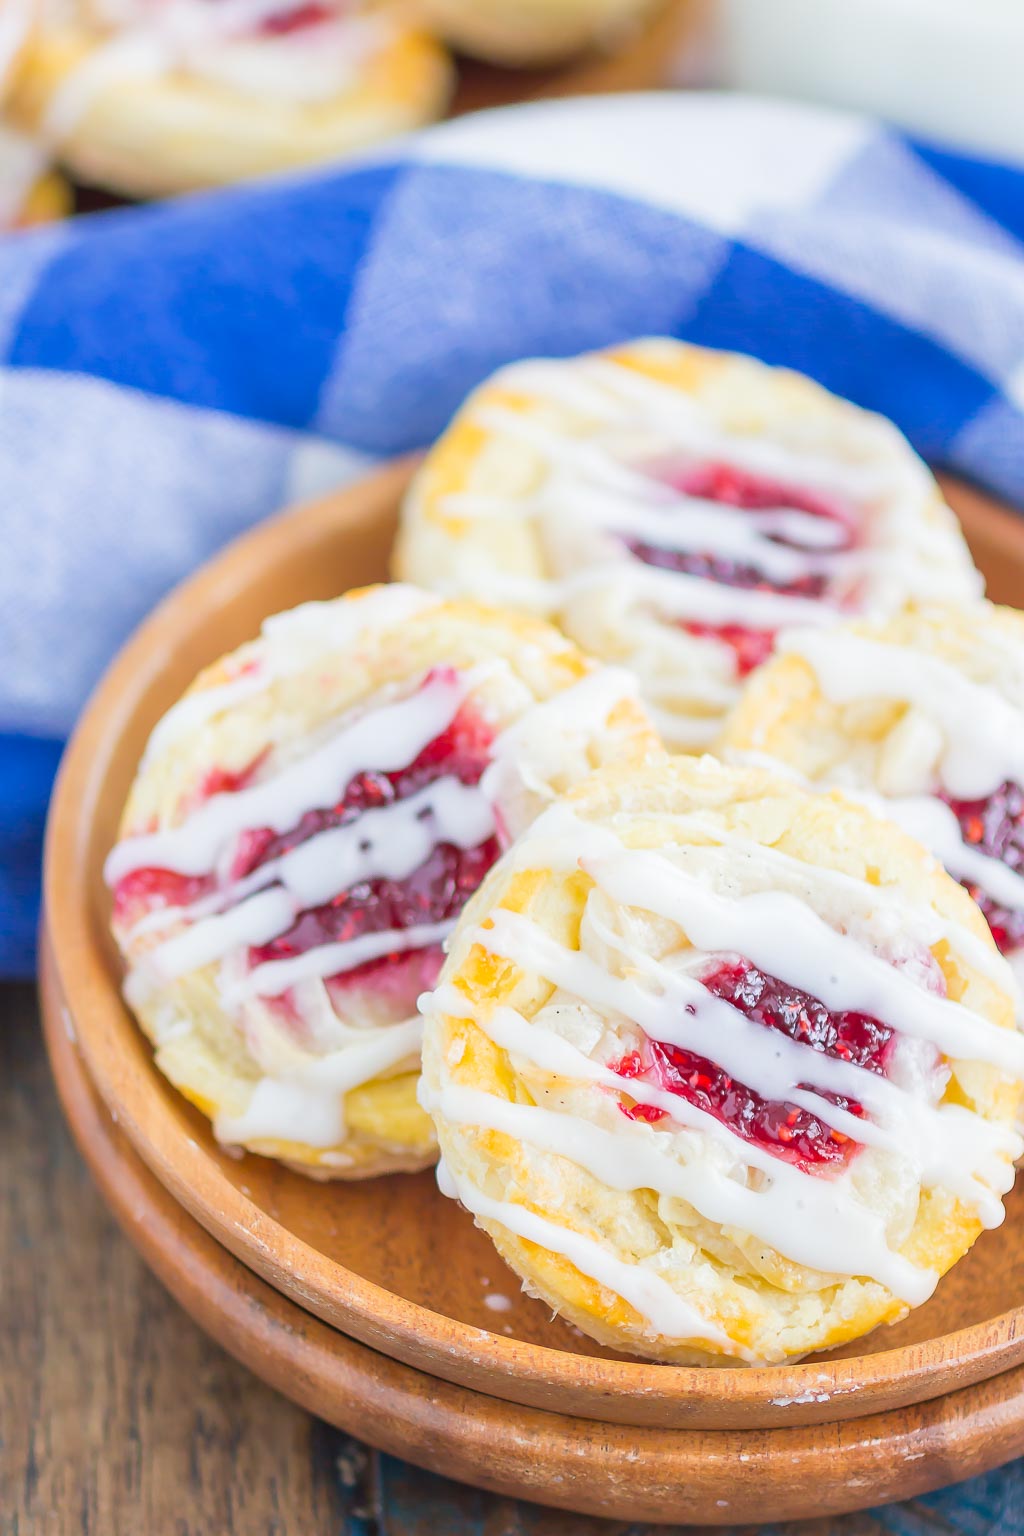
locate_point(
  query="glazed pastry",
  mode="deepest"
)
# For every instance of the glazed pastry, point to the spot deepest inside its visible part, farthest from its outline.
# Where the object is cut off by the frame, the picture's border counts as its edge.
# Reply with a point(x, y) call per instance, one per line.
point(532, 32)
point(923, 719)
point(305, 827)
point(148, 97)
point(671, 508)
point(726, 1070)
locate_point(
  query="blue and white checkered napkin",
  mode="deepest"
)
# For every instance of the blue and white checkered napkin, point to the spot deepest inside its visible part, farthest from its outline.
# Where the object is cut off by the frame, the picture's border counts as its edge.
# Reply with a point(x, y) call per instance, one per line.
point(169, 375)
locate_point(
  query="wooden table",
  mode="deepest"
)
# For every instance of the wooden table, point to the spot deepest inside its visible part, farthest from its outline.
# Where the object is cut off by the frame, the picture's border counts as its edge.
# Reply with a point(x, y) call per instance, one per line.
point(118, 1417)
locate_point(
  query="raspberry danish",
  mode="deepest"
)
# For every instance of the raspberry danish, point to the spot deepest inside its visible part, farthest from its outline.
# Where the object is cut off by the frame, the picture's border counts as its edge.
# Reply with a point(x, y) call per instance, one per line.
point(728, 1071)
point(304, 830)
point(922, 719)
point(671, 508)
point(150, 97)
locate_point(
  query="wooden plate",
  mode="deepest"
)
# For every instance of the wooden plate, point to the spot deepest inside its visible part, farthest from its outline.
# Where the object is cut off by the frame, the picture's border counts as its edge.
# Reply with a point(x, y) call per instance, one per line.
point(711, 1477)
point(367, 1257)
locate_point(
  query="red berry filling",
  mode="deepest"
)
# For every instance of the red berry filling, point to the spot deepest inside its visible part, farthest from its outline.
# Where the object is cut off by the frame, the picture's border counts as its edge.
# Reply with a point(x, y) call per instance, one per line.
point(994, 826)
point(435, 892)
point(144, 890)
point(754, 493)
point(293, 21)
point(462, 751)
point(751, 647)
point(783, 1129)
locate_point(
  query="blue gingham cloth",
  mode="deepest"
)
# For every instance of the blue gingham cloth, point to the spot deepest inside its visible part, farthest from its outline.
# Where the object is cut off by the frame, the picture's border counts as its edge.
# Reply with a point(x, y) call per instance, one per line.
point(169, 375)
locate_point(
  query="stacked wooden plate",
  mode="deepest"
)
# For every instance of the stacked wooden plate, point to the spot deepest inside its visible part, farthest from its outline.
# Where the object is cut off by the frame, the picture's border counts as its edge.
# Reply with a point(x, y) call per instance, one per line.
point(369, 1303)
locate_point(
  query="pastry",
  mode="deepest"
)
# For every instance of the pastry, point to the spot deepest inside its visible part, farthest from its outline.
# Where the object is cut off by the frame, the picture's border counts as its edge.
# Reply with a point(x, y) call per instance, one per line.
point(727, 1071)
point(532, 32)
point(304, 828)
point(671, 508)
point(149, 97)
point(923, 719)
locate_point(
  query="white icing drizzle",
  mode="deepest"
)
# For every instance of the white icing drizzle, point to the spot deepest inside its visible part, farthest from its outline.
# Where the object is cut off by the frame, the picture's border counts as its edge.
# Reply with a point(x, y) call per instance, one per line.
point(691, 733)
point(590, 484)
point(692, 430)
point(971, 760)
point(134, 56)
point(303, 1087)
point(608, 495)
point(385, 740)
point(911, 814)
point(221, 42)
point(645, 1290)
point(934, 824)
point(815, 1220)
point(315, 63)
point(387, 841)
point(275, 976)
point(308, 1105)
point(289, 642)
point(954, 1149)
point(554, 740)
point(983, 733)
point(198, 709)
point(681, 596)
point(589, 496)
point(772, 927)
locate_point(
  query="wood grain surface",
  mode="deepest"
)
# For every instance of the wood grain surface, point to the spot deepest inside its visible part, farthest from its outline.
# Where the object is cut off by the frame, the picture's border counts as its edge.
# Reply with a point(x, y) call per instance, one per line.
point(118, 1417)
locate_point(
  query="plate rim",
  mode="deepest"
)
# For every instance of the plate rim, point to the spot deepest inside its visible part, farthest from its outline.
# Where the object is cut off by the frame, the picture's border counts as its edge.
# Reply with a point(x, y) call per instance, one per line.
point(616, 1391)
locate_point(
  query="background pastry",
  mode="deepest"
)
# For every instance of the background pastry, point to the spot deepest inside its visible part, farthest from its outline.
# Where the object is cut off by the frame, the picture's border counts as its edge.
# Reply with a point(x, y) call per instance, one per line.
point(924, 718)
point(148, 97)
point(727, 1071)
point(531, 32)
point(305, 827)
point(671, 508)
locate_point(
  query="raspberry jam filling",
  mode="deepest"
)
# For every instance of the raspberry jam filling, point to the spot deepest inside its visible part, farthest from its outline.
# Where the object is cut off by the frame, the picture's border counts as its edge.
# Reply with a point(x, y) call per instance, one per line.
point(733, 487)
point(435, 892)
point(286, 21)
point(994, 826)
point(784, 1129)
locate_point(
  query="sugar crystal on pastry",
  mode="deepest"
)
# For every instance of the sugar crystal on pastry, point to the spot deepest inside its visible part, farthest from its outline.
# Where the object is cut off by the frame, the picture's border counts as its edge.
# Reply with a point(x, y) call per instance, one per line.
point(672, 509)
point(727, 1071)
point(307, 824)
